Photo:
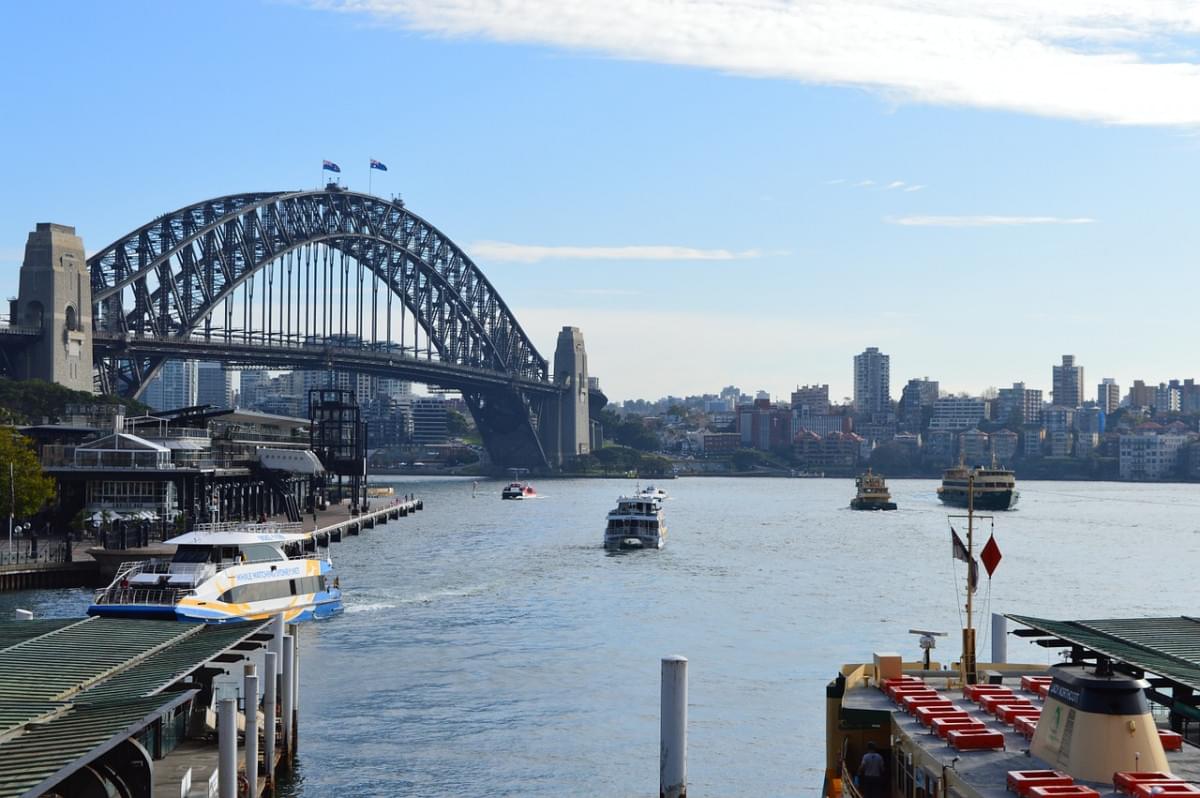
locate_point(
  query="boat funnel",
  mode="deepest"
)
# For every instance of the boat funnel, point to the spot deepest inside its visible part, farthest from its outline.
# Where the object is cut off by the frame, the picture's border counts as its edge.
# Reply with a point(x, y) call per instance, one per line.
point(1094, 723)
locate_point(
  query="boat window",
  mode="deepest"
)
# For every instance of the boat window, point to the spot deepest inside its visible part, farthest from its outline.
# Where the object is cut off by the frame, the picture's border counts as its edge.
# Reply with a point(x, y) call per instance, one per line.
point(193, 554)
point(261, 552)
point(256, 591)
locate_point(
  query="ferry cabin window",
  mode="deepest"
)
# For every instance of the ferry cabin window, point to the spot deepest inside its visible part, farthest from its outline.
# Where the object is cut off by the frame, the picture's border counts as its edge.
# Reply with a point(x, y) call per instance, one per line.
point(267, 591)
point(193, 554)
point(261, 552)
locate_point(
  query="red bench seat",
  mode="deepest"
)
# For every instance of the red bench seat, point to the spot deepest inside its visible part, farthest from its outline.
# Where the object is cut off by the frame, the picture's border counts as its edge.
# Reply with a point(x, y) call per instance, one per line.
point(1063, 791)
point(1019, 781)
point(1026, 725)
point(1125, 780)
point(975, 739)
point(1006, 712)
point(943, 726)
point(911, 702)
point(1171, 741)
point(990, 701)
point(1030, 683)
point(973, 691)
point(927, 713)
point(1150, 789)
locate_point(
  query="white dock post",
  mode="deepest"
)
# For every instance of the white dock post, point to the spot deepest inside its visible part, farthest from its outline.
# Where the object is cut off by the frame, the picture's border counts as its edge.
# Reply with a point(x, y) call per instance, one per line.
point(270, 669)
point(276, 628)
point(250, 708)
point(672, 758)
point(227, 748)
point(23, 615)
point(289, 692)
point(999, 638)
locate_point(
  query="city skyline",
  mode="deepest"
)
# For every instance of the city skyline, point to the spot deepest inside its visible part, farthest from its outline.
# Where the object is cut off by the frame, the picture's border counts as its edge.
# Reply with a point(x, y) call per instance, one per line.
point(974, 229)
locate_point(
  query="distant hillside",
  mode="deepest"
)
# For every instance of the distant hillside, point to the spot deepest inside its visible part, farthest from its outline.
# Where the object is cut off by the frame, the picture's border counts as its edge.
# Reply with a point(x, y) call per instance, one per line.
point(29, 401)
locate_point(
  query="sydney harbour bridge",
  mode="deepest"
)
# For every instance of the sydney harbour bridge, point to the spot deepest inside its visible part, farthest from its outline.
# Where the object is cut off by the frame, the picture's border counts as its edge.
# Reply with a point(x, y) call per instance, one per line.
point(316, 280)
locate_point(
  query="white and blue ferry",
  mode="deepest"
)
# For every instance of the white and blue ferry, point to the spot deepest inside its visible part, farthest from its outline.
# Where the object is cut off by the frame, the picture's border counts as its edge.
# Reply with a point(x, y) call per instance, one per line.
point(222, 573)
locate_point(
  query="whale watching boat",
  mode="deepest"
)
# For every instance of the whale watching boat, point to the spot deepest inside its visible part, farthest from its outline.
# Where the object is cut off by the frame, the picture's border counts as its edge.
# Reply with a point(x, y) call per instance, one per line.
point(872, 493)
point(1080, 729)
point(995, 487)
point(228, 572)
point(636, 523)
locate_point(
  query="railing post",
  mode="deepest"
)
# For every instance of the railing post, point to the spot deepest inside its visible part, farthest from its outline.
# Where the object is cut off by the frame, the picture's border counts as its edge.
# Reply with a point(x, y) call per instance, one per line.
point(250, 708)
point(227, 747)
point(270, 671)
point(672, 759)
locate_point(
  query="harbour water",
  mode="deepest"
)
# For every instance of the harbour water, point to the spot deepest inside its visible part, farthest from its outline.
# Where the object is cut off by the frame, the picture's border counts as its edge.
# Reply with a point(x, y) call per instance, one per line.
point(494, 648)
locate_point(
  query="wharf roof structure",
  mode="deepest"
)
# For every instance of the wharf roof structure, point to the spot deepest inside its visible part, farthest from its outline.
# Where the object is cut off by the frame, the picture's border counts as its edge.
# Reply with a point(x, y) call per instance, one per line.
point(70, 690)
point(1168, 648)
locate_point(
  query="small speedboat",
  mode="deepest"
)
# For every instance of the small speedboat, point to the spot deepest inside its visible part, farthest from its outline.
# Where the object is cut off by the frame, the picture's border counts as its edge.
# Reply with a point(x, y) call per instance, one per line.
point(651, 492)
point(518, 490)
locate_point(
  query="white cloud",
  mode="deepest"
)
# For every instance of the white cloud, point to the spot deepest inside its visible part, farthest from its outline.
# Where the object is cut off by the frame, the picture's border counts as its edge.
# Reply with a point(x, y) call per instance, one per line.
point(1112, 61)
point(983, 221)
point(835, 182)
point(917, 187)
point(532, 253)
point(894, 184)
point(864, 183)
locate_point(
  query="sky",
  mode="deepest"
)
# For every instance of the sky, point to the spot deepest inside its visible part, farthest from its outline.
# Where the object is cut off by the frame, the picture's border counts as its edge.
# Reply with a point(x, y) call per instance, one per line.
point(716, 192)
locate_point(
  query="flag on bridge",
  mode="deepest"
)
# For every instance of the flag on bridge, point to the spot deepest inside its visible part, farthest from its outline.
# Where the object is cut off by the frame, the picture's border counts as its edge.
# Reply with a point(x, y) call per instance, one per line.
point(330, 166)
point(380, 165)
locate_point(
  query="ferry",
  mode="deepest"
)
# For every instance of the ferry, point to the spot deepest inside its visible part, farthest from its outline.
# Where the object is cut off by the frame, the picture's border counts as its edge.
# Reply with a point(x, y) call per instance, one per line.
point(229, 572)
point(995, 487)
point(651, 492)
point(636, 523)
point(1078, 729)
point(518, 490)
point(872, 493)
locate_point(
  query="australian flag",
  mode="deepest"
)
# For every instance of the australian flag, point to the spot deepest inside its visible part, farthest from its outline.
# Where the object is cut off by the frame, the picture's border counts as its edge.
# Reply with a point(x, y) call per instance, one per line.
point(380, 165)
point(330, 166)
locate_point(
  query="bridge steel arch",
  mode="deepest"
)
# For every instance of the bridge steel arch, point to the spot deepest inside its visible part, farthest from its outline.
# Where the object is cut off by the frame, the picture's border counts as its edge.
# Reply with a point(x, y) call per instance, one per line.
point(156, 291)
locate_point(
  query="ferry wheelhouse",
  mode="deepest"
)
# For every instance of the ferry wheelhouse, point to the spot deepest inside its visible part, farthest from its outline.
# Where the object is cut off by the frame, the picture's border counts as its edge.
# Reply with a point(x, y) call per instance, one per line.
point(223, 573)
point(636, 523)
point(872, 493)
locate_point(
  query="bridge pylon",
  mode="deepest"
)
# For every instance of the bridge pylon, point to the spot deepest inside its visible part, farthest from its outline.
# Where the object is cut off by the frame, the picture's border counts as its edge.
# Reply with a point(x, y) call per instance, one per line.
point(55, 299)
point(565, 423)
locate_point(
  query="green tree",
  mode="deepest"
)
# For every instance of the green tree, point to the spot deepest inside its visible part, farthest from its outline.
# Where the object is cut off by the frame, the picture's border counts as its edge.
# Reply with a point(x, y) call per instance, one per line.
point(31, 487)
point(747, 459)
point(456, 424)
point(617, 458)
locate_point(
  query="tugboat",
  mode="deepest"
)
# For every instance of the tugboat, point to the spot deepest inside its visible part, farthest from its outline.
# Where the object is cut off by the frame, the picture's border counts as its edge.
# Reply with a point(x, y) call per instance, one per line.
point(636, 523)
point(872, 493)
point(995, 487)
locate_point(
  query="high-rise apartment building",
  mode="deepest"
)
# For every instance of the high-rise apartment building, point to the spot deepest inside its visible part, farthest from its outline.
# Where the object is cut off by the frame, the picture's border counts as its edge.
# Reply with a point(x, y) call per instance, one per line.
point(1018, 401)
point(1067, 383)
point(813, 398)
point(1108, 395)
point(1141, 395)
point(872, 378)
point(214, 384)
point(174, 386)
point(918, 394)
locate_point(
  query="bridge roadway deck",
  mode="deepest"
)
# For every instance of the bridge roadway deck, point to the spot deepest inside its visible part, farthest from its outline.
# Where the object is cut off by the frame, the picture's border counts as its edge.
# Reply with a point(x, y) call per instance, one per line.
point(272, 352)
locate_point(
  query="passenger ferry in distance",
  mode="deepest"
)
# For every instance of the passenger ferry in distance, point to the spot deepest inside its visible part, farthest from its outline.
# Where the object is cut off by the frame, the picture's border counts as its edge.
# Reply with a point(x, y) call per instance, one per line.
point(872, 493)
point(636, 523)
point(228, 572)
point(995, 487)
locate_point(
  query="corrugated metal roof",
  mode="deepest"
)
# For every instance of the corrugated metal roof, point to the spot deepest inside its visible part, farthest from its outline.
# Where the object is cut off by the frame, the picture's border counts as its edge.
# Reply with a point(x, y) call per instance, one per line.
point(43, 755)
point(1166, 647)
point(13, 632)
point(53, 666)
point(82, 686)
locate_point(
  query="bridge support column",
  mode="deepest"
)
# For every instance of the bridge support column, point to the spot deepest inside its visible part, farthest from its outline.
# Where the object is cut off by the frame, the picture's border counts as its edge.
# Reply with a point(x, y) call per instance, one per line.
point(565, 425)
point(56, 296)
point(505, 420)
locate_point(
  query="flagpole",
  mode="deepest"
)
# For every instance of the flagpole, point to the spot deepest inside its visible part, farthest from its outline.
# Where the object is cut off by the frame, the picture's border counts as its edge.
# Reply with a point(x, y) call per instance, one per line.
point(968, 655)
point(370, 175)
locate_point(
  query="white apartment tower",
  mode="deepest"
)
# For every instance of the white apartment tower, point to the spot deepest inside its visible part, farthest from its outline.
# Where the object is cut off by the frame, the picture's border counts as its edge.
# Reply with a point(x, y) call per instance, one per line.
point(872, 378)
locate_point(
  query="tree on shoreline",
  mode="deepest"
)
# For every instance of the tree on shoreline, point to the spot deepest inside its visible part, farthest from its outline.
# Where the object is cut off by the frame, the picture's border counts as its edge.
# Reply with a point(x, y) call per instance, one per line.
point(32, 488)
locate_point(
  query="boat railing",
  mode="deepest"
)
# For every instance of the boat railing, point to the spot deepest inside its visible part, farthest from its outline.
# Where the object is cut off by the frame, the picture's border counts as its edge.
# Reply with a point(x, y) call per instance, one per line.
point(198, 572)
point(284, 527)
point(154, 596)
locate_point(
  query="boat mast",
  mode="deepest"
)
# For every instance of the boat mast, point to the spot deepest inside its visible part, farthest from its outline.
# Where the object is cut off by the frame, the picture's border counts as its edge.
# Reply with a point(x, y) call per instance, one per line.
point(968, 653)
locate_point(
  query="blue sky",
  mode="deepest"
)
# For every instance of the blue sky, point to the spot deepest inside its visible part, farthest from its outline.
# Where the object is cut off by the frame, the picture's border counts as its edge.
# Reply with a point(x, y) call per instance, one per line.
point(695, 198)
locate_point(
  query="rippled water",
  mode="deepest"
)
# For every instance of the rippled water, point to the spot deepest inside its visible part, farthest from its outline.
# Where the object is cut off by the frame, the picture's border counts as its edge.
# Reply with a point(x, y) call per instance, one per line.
point(494, 648)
